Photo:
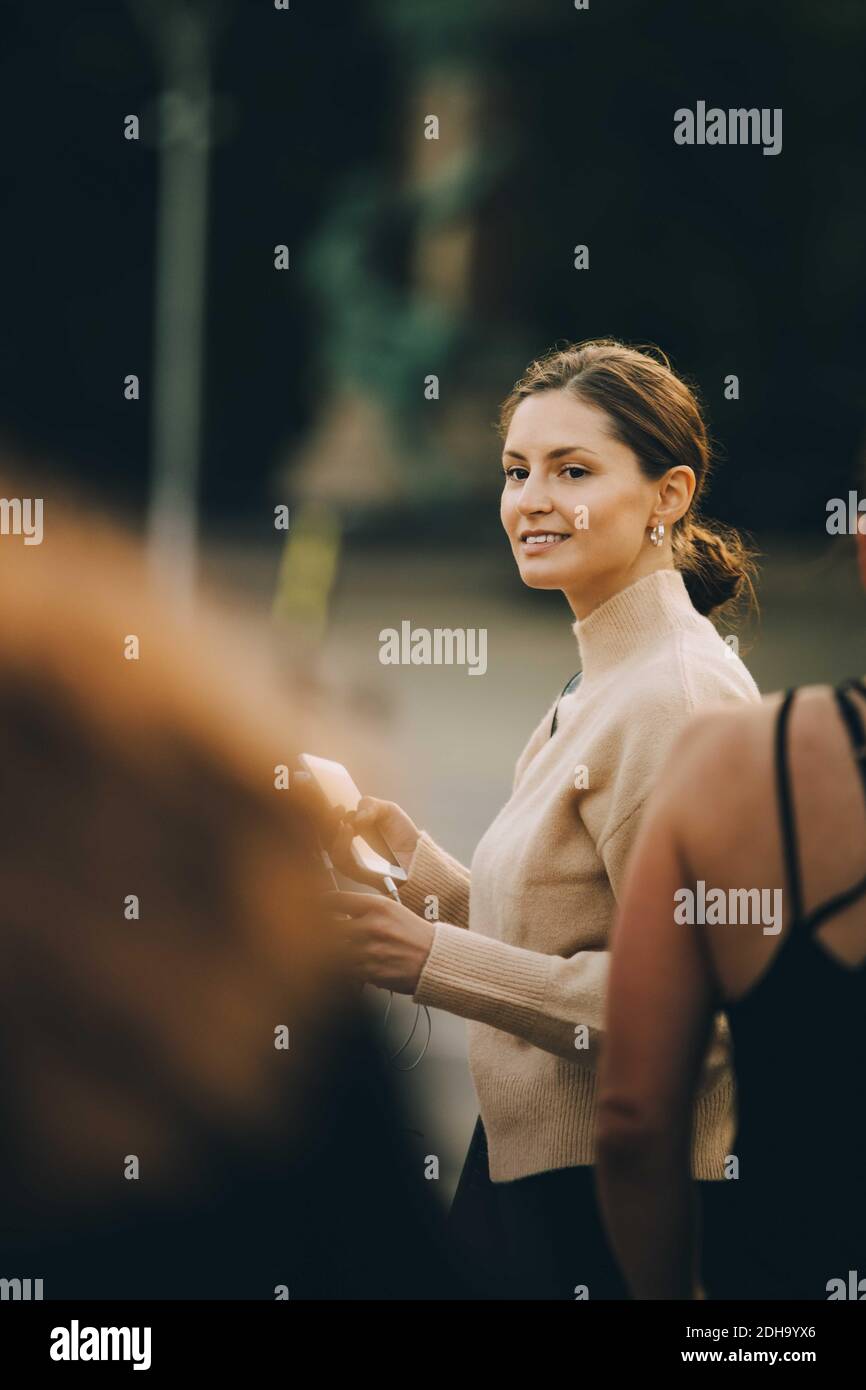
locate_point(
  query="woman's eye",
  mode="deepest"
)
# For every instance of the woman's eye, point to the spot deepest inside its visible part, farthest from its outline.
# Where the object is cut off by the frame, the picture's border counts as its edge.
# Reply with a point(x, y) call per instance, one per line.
point(573, 469)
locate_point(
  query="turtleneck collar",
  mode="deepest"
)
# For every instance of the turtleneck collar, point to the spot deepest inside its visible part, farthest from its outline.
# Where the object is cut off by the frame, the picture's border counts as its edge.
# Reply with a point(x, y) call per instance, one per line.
point(633, 619)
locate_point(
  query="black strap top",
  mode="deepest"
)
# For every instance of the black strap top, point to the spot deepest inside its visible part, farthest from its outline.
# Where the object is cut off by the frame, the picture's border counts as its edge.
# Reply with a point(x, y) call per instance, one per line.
point(799, 1058)
point(856, 733)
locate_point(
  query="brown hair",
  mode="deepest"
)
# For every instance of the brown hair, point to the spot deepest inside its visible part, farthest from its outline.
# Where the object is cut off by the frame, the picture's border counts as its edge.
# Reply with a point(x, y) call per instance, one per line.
point(154, 778)
point(157, 1037)
point(659, 416)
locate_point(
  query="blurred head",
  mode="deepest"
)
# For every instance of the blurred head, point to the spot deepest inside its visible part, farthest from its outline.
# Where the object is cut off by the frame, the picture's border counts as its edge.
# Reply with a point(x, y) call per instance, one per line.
point(159, 917)
point(602, 443)
point(171, 991)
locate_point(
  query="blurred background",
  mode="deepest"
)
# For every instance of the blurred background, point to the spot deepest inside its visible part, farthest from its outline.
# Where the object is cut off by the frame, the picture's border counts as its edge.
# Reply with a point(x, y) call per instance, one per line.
point(238, 276)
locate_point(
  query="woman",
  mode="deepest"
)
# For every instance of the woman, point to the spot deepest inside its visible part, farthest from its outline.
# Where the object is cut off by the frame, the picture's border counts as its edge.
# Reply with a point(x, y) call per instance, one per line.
point(765, 816)
point(605, 455)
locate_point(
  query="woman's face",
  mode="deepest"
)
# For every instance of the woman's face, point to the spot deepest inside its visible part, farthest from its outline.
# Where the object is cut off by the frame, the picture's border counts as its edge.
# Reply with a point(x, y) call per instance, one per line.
point(565, 475)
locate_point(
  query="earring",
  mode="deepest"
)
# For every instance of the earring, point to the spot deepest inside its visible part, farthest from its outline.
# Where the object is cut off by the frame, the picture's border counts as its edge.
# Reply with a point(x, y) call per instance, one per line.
point(657, 533)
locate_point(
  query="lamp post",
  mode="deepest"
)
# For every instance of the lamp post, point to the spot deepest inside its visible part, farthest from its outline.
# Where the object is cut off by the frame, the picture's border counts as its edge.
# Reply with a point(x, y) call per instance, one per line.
point(182, 35)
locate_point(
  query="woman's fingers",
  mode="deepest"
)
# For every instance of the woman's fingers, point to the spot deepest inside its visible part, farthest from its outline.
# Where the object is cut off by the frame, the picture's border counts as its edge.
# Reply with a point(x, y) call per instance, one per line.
point(384, 817)
point(341, 856)
point(369, 813)
point(392, 823)
point(390, 943)
point(354, 904)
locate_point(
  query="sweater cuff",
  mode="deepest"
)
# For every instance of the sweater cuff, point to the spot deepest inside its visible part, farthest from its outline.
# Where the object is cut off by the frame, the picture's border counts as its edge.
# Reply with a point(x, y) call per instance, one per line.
point(489, 981)
point(432, 871)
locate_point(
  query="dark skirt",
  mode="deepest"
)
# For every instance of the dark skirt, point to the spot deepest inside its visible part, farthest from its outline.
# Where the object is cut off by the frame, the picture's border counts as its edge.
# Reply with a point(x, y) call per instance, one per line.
point(542, 1237)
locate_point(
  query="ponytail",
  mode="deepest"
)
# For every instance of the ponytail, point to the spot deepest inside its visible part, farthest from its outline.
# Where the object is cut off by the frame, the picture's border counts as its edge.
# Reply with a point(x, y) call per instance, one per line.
point(716, 564)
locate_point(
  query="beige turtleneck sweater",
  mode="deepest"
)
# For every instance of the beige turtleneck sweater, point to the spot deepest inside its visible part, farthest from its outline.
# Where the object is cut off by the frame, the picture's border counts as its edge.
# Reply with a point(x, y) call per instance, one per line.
point(530, 973)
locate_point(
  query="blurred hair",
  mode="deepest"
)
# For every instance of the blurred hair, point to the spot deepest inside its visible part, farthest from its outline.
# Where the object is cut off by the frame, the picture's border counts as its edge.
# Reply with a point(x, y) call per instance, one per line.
point(659, 417)
point(259, 1166)
point(152, 777)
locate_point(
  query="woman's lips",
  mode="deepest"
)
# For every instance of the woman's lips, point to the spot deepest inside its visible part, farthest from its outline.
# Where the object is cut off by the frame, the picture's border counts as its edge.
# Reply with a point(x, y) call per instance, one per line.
point(531, 547)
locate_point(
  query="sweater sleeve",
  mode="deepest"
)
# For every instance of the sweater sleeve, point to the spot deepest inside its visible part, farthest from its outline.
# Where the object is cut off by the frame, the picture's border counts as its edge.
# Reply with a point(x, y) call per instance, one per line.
point(435, 872)
point(556, 1003)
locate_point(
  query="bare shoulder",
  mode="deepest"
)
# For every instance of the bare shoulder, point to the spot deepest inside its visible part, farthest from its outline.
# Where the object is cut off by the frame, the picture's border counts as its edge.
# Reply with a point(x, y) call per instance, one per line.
point(720, 727)
point(724, 736)
point(817, 737)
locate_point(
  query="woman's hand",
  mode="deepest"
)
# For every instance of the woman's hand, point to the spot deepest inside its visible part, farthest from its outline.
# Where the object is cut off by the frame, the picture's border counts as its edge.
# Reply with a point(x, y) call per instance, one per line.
point(390, 820)
point(387, 944)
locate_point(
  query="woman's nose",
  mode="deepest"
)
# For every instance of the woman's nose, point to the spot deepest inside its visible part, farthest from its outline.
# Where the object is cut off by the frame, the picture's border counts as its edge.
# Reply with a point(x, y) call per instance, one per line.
point(533, 498)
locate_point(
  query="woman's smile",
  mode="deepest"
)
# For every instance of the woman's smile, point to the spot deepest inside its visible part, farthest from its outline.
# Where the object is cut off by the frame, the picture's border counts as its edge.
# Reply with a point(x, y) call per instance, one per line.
point(539, 542)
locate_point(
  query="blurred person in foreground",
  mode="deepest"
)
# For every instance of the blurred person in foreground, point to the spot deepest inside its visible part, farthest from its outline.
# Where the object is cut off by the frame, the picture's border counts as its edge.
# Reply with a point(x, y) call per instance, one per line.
point(763, 819)
point(160, 923)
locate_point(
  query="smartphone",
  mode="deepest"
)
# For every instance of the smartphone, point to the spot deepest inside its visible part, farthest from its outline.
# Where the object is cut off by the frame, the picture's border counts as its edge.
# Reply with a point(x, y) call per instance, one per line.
point(338, 794)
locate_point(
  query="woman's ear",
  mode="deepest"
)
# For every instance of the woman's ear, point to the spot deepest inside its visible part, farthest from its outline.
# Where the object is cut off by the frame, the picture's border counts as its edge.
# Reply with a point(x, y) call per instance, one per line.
point(676, 490)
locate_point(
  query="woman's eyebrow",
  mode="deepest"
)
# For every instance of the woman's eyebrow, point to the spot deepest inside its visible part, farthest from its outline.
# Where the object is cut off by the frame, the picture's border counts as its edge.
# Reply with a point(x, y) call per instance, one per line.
point(555, 453)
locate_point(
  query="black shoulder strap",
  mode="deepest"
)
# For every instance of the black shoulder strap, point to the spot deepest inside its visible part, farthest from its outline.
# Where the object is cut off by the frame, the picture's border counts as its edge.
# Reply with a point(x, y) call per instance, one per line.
point(786, 810)
point(854, 725)
point(857, 735)
point(566, 690)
